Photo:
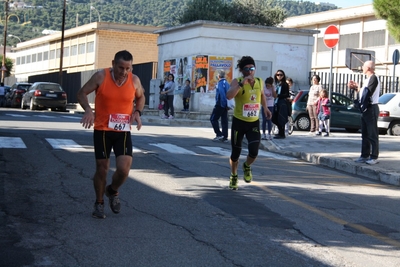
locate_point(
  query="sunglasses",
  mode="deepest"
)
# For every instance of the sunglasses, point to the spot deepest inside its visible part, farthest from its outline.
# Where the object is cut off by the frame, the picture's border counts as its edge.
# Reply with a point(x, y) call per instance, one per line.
point(249, 69)
point(278, 74)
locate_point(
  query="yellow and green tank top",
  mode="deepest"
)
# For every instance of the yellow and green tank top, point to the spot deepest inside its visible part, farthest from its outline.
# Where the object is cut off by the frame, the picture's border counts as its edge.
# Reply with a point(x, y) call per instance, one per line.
point(248, 101)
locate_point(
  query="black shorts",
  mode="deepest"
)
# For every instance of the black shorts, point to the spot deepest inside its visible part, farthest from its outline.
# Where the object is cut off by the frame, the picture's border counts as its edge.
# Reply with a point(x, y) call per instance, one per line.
point(120, 142)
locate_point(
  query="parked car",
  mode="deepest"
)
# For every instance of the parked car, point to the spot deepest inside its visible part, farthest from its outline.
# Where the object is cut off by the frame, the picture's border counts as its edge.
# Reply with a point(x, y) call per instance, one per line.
point(14, 96)
point(6, 92)
point(389, 114)
point(343, 112)
point(45, 95)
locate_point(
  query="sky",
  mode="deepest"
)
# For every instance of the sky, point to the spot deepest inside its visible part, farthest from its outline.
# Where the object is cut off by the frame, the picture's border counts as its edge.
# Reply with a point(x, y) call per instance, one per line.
point(345, 3)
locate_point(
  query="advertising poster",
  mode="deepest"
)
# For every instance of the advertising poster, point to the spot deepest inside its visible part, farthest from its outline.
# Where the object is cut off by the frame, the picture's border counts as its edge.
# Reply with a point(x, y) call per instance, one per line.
point(169, 67)
point(183, 69)
point(216, 64)
point(201, 73)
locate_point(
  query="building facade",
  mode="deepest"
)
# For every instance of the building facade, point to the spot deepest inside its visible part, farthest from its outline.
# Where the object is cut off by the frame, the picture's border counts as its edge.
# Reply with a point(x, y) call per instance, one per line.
point(88, 47)
point(359, 29)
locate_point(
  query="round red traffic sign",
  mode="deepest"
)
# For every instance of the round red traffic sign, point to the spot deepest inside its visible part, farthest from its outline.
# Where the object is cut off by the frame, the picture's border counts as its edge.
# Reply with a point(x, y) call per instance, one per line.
point(331, 36)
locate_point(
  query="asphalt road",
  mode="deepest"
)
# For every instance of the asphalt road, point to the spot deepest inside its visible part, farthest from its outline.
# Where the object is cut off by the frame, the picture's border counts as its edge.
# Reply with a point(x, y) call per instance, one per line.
point(176, 206)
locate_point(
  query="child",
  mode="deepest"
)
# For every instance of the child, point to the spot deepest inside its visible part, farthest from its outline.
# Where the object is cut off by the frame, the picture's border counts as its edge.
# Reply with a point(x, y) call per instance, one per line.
point(186, 95)
point(270, 95)
point(323, 112)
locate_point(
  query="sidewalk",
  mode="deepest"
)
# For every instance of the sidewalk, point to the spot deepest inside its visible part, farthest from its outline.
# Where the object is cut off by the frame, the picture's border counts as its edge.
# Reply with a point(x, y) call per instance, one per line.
point(338, 151)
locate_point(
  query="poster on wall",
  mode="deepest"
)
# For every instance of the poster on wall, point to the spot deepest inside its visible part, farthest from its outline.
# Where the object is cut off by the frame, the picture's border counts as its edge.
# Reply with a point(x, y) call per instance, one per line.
point(217, 63)
point(183, 72)
point(200, 73)
point(169, 67)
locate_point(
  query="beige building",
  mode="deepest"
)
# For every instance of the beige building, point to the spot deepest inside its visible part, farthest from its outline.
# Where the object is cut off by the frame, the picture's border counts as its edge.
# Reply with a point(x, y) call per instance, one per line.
point(359, 29)
point(88, 47)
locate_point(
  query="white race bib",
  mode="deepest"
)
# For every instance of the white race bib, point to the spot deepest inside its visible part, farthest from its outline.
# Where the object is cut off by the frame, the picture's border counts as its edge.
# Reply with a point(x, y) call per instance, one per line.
point(250, 110)
point(119, 122)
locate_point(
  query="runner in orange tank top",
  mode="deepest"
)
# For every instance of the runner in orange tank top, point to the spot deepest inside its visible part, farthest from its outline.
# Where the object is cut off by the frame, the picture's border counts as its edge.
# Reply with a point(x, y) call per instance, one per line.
point(119, 102)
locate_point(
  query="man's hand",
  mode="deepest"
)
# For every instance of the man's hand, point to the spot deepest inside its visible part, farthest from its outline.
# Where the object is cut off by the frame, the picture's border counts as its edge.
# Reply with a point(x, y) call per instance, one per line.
point(352, 85)
point(87, 119)
point(136, 118)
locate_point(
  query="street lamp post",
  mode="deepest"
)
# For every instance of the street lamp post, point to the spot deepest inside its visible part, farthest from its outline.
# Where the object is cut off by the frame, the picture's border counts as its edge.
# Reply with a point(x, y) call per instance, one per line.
point(98, 13)
point(3, 64)
point(10, 35)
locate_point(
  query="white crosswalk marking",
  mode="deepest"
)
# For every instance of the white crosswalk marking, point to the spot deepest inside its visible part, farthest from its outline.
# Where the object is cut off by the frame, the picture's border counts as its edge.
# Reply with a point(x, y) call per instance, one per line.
point(173, 148)
point(136, 150)
point(11, 142)
point(274, 156)
point(16, 115)
point(71, 117)
point(64, 144)
point(45, 116)
point(217, 150)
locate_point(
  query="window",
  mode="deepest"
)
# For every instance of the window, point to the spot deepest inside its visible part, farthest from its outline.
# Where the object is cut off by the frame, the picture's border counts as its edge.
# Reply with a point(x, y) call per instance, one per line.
point(321, 47)
point(33, 58)
point(22, 60)
point(39, 57)
point(74, 50)
point(349, 40)
point(66, 51)
point(374, 38)
point(58, 53)
point(81, 49)
point(18, 60)
point(52, 54)
point(90, 47)
point(28, 59)
point(46, 55)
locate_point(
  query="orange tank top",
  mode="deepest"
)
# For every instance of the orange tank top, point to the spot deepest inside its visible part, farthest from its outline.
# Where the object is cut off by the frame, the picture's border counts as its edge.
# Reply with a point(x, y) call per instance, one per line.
point(112, 100)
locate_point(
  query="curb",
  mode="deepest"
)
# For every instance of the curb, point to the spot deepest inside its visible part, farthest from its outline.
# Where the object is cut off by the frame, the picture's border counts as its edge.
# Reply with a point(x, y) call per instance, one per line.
point(347, 166)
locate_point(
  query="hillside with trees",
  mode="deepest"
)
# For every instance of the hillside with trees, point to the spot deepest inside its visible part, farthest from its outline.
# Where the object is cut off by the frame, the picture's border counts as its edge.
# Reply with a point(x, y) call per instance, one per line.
point(28, 19)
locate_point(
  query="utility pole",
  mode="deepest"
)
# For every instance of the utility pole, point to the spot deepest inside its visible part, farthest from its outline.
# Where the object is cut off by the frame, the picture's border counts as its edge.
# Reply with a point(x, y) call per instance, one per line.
point(3, 64)
point(62, 46)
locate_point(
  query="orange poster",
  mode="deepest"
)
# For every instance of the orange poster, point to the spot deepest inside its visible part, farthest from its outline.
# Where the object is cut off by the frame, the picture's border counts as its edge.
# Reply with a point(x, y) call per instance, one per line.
point(216, 64)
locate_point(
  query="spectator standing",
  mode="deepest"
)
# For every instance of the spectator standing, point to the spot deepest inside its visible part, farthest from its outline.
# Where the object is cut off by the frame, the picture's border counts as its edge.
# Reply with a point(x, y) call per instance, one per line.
point(313, 96)
point(2, 95)
point(368, 96)
point(280, 116)
point(249, 96)
point(169, 90)
point(119, 102)
point(220, 109)
point(186, 95)
point(323, 112)
point(270, 94)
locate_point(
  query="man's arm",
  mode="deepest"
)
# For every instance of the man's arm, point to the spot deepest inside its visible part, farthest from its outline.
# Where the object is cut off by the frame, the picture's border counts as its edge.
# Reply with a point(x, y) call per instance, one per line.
point(372, 84)
point(90, 86)
point(139, 101)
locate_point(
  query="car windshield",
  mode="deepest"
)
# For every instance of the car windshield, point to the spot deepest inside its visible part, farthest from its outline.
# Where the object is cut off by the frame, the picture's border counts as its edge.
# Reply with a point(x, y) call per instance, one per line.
point(50, 87)
point(385, 98)
point(23, 86)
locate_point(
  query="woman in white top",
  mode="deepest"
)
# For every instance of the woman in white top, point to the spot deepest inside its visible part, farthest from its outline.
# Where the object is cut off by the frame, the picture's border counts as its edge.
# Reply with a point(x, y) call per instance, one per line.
point(270, 94)
point(313, 96)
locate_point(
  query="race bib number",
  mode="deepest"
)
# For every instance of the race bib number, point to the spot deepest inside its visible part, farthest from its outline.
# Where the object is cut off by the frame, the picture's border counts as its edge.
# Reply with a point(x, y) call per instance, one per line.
point(120, 122)
point(251, 110)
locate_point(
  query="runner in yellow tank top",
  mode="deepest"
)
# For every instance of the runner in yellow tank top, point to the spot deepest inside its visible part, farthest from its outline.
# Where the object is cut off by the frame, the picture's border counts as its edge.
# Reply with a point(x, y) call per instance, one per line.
point(249, 97)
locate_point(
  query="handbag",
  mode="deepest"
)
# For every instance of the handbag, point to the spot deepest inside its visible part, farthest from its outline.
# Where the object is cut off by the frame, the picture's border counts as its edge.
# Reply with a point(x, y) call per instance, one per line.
point(163, 97)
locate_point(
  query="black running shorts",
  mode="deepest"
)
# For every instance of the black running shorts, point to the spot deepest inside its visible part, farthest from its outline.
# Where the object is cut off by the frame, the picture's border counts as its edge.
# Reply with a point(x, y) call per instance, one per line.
point(104, 141)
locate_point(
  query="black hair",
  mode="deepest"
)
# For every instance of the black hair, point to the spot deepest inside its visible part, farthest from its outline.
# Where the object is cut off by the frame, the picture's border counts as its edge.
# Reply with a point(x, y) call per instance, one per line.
point(269, 80)
point(245, 60)
point(173, 77)
point(188, 80)
point(283, 78)
point(124, 55)
point(316, 76)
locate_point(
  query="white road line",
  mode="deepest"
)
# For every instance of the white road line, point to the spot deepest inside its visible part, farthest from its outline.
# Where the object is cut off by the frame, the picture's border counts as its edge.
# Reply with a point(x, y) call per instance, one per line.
point(16, 115)
point(226, 152)
point(136, 150)
point(11, 142)
point(45, 116)
point(274, 155)
point(71, 117)
point(173, 148)
point(64, 144)
point(217, 150)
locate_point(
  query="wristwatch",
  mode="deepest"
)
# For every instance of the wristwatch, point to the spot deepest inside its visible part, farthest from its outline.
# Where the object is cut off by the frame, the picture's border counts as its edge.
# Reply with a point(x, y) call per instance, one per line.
point(140, 113)
point(240, 84)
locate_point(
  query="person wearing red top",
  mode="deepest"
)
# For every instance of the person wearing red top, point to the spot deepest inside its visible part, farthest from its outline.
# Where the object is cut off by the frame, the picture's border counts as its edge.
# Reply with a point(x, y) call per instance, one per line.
point(119, 102)
point(323, 112)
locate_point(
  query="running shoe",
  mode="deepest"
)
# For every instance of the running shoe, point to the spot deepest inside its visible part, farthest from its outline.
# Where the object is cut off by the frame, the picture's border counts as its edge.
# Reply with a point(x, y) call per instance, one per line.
point(224, 140)
point(218, 138)
point(115, 204)
point(233, 182)
point(372, 161)
point(263, 137)
point(326, 135)
point(170, 117)
point(247, 173)
point(361, 160)
point(98, 211)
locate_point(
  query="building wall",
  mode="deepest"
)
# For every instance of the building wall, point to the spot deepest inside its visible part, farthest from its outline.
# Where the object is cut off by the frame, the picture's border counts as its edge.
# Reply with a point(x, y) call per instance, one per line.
point(359, 29)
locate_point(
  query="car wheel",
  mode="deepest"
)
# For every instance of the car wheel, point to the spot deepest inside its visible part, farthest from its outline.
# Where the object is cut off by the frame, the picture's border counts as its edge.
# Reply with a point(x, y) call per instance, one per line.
point(394, 128)
point(303, 123)
point(32, 106)
point(352, 130)
point(22, 105)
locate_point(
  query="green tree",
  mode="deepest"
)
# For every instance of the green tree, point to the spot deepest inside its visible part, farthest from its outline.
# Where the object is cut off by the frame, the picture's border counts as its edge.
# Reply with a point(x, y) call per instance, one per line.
point(391, 13)
point(215, 10)
point(9, 65)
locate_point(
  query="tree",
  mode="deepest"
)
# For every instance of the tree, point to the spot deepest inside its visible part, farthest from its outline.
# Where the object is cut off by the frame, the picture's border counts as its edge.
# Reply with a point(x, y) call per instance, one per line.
point(391, 13)
point(215, 10)
point(9, 65)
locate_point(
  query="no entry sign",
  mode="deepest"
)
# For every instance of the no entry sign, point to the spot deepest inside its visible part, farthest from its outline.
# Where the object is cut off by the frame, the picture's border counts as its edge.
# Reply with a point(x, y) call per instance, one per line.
point(331, 36)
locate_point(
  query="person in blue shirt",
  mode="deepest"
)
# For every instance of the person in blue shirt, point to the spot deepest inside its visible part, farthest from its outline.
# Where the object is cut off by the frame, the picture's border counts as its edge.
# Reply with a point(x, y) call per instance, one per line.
point(220, 109)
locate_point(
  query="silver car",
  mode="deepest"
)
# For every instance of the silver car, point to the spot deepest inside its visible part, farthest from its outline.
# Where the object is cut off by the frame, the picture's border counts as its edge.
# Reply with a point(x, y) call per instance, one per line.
point(389, 114)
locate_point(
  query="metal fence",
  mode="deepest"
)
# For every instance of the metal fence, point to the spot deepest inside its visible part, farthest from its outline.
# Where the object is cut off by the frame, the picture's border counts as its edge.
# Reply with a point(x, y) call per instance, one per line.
point(340, 80)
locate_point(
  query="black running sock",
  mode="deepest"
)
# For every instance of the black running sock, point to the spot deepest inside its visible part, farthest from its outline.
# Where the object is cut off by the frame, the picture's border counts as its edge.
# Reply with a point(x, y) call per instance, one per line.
point(99, 202)
point(111, 191)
